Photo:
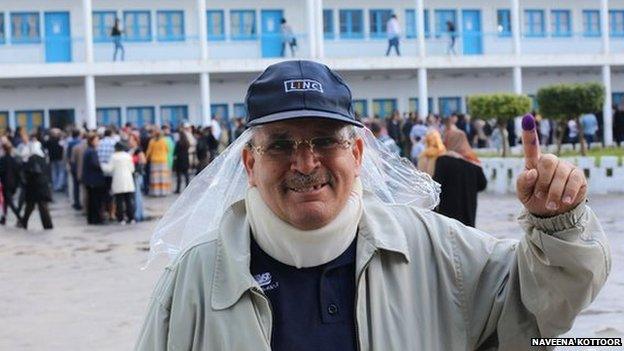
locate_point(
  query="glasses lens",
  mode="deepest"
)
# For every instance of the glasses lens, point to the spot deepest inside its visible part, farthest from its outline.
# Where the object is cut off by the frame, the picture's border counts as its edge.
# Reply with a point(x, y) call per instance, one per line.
point(280, 147)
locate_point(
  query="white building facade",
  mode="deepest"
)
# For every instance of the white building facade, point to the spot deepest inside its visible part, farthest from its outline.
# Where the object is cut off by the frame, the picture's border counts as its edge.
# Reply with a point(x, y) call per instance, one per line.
point(191, 60)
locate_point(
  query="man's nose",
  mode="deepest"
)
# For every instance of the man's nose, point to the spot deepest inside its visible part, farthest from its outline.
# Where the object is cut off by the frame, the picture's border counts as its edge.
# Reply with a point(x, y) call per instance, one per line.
point(304, 160)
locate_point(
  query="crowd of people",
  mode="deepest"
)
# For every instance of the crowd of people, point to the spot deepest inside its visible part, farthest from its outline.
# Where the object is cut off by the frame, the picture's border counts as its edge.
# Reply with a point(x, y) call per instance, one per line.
point(105, 172)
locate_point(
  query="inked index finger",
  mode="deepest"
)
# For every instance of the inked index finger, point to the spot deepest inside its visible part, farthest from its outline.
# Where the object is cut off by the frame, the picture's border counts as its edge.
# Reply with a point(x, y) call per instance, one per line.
point(530, 142)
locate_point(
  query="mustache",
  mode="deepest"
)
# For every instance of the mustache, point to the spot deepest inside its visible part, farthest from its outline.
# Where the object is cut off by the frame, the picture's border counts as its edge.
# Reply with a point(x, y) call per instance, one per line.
point(300, 180)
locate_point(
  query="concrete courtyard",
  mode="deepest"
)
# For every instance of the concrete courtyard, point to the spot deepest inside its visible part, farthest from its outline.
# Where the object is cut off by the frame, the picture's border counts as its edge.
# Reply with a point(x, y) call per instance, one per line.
point(81, 287)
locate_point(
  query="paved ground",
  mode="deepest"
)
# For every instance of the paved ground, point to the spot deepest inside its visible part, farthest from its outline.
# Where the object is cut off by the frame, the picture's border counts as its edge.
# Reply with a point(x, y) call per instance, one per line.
point(81, 288)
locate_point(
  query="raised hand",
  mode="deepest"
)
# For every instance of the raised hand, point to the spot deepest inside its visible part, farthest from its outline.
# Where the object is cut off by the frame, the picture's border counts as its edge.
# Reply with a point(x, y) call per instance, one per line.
point(548, 186)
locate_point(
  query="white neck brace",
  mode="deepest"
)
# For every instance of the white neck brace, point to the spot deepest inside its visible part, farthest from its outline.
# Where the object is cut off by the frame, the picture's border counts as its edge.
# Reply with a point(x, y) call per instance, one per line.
point(303, 248)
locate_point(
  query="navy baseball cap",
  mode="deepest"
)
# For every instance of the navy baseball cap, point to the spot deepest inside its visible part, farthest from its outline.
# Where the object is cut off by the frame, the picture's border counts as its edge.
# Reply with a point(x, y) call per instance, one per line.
point(298, 89)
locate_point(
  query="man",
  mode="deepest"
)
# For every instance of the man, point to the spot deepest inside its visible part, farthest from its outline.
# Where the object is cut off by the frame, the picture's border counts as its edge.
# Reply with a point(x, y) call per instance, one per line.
point(288, 38)
point(393, 29)
point(309, 245)
point(590, 127)
point(73, 163)
point(383, 137)
point(105, 149)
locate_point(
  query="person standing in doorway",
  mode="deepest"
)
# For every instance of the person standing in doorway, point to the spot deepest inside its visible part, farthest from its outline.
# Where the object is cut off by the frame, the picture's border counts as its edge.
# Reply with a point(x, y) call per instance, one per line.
point(288, 38)
point(394, 33)
point(116, 35)
point(451, 32)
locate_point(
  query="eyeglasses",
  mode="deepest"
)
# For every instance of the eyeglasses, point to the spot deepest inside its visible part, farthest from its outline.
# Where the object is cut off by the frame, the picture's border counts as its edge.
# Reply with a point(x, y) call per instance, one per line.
point(281, 149)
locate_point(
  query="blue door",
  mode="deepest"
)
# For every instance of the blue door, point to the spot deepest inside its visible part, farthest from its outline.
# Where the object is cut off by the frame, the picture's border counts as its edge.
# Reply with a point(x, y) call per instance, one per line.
point(449, 105)
point(173, 115)
point(57, 37)
point(471, 32)
point(271, 39)
point(617, 98)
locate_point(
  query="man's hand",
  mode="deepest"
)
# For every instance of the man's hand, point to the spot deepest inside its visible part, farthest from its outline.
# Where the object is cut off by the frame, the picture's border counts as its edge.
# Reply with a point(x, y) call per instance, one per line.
point(548, 186)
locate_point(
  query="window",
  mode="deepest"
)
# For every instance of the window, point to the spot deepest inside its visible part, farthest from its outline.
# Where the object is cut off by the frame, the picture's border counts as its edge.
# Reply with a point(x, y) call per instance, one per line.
point(328, 24)
point(442, 17)
point(4, 121)
point(173, 115)
point(29, 120)
point(140, 116)
point(170, 25)
point(108, 116)
point(534, 23)
point(413, 105)
point(216, 29)
point(617, 98)
point(411, 28)
point(384, 107)
point(360, 107)
point(560, 23)
point(377, 21)
point(25, 27)
point(591, 23)
point(2, 31)
point(240, 111)
point(449, 105)
point(103, 22)
point(243, 24)
point(351, 24)
point(503, 20)
point(137, 26)
point(616, 23)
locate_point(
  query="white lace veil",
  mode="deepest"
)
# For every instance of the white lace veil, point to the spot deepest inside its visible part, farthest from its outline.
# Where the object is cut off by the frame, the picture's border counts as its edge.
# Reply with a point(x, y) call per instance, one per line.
point(195, 215)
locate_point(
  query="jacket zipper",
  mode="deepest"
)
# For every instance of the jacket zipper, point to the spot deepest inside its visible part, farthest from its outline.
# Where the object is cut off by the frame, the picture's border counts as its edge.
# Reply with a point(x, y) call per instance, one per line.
point(357, 289)
point(266, 299)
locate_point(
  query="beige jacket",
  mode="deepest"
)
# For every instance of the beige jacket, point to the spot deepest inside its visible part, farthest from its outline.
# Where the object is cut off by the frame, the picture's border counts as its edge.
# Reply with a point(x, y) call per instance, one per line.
point(424, 282)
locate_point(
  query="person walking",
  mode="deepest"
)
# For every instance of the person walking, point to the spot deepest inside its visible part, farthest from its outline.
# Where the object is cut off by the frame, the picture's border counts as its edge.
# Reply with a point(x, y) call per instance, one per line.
point(181, 161)
point(93, 179)
point(288, 38)
point(116, 35)
point(10, 168)
point(122, 168)
point(138, 159)
point(393, 29)
point(160, 173)
point(37, 185)
point(452, 34)
point(55, 153)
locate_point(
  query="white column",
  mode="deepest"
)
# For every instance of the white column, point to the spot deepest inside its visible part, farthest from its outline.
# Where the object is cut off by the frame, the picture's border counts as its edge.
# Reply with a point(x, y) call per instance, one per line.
point(318, 30)
point(202, 26)
point(310, 9)
point(423, 95)
point(515, 26)
point(604, 26)
point(607, 115)
point(205, 98)
point(420, 29)
point(517, 79)
point(88, 30)
point(90, 102)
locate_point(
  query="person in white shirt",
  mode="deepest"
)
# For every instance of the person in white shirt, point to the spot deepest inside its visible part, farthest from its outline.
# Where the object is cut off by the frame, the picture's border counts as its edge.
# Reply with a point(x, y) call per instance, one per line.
point(121, 167)
point(394, 33)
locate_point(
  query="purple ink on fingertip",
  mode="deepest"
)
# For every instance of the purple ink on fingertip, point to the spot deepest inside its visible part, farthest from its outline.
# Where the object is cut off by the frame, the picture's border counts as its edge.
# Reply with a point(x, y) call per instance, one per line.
point(528, 122)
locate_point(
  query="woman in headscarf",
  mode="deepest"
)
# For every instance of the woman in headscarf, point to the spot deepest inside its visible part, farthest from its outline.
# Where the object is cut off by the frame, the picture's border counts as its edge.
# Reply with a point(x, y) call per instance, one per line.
point(160, 173)
point(434, 148)
point(459, 173)
point(37, 185)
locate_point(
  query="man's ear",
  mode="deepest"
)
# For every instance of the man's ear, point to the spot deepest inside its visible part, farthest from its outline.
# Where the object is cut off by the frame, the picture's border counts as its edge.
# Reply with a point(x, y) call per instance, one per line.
point(248, 161)
point(358, 154)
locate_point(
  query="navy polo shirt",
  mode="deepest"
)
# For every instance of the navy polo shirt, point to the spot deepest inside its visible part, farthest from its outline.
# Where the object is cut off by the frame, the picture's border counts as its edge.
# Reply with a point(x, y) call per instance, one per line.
point(313, 308)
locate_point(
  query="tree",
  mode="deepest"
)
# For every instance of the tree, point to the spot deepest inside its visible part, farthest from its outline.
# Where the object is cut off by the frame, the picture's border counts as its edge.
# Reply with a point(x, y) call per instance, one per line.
point(561, 102)
point(503, 107)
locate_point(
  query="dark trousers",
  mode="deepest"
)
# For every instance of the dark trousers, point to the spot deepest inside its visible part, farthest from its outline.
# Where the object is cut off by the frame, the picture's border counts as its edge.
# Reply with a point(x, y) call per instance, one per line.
point(292, 49)
point(124, 202)
point(108, 197)
point(95, 197)
point(76, 191)
point(179, 175)
point(393, 42)
point(8, 203)
point(44, 213)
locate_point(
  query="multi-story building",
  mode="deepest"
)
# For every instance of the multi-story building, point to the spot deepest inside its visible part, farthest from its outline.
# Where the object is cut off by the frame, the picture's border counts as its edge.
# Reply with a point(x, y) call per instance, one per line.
point(192, 59)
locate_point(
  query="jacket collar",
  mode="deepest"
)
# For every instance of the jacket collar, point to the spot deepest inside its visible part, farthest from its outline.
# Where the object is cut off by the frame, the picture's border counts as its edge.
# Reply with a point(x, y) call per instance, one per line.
point(378, 230)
